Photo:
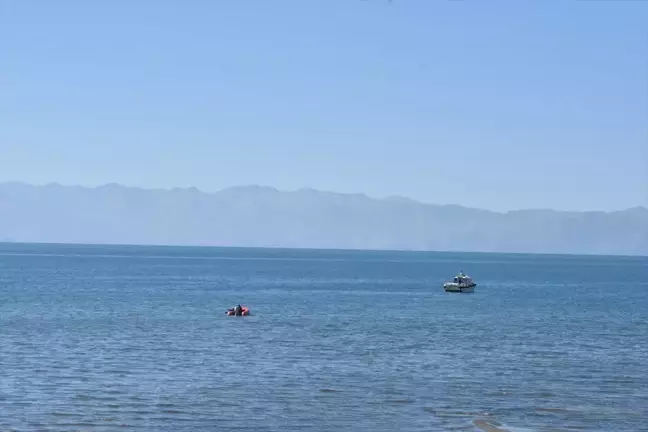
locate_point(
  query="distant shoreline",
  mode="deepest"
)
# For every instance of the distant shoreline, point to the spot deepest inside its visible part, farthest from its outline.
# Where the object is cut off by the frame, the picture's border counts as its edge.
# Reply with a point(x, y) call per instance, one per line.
point(264, 217)
point(271, 189)
point(311, 249)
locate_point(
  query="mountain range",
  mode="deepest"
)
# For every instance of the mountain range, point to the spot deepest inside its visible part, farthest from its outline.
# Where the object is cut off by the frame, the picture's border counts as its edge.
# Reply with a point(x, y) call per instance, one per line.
point(257, 216)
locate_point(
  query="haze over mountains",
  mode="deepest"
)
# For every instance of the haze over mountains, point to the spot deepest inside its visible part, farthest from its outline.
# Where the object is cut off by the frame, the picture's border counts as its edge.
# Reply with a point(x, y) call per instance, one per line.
point(258, 216)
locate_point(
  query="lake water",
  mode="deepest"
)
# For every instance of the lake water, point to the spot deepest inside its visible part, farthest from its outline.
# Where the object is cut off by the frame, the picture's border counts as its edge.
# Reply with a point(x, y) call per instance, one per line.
point(107, 338)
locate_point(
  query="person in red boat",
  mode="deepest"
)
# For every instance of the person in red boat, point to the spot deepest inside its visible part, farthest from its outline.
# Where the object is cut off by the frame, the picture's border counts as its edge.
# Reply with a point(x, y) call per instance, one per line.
point(237, 310)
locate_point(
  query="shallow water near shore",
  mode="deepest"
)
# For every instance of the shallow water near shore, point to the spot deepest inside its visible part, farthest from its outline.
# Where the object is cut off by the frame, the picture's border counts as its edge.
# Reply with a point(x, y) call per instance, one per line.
point(103, 338)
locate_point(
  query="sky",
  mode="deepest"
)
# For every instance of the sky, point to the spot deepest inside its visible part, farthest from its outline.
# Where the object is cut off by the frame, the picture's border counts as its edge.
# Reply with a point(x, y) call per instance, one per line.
point(499, 105)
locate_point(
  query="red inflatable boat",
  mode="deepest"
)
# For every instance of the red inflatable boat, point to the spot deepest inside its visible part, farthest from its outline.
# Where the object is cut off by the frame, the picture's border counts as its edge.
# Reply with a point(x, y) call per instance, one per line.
point(244, 311)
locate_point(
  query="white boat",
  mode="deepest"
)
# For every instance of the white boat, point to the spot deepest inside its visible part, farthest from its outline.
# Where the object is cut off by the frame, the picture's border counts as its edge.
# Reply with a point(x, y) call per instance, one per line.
point(461, 284)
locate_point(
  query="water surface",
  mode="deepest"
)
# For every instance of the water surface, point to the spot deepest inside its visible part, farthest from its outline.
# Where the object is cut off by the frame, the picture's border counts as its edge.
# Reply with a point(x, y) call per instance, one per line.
point(106, 338)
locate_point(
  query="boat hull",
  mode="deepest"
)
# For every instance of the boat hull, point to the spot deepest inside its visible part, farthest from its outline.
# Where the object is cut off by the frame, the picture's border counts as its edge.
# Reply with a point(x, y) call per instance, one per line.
point(458, 288)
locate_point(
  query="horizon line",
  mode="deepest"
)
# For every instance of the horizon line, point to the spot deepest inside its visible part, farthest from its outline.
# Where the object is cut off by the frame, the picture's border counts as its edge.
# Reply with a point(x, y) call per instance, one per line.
point(296, 248)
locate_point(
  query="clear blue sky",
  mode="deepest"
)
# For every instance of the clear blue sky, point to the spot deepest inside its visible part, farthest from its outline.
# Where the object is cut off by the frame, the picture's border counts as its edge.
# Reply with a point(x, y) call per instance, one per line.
point(494, 104)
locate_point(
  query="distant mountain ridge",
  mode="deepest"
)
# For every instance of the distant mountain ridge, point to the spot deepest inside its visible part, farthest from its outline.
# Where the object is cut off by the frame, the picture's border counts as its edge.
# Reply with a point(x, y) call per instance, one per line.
point(261, 216)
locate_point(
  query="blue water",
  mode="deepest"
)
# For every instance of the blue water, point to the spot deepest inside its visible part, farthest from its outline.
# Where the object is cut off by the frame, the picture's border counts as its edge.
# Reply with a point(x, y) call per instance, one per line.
point(98, 338)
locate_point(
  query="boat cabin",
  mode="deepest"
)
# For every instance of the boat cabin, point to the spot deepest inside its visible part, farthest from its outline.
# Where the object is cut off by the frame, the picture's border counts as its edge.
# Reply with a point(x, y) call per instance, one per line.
point(462, 279)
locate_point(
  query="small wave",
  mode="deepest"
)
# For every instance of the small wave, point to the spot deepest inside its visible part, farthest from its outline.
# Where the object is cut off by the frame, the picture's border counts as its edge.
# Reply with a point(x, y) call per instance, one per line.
point(552, 410)
point(500, 393)
point(451, 413)
point(399, 401)
point(83, 397)
point(66, 414)
point(489, 426)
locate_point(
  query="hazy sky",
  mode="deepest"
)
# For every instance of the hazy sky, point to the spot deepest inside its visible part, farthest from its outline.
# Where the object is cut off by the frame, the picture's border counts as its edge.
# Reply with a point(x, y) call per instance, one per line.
point(495, 104)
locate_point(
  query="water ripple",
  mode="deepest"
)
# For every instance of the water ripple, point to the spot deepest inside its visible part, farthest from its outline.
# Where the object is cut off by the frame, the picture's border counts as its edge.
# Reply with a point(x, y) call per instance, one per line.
point(336, 342)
